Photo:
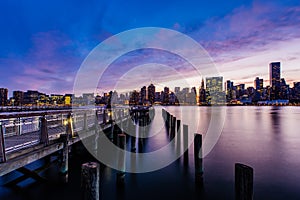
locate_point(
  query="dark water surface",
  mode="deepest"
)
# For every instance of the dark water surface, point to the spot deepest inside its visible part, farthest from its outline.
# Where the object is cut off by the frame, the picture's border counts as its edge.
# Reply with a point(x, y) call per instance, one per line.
point(265, 138)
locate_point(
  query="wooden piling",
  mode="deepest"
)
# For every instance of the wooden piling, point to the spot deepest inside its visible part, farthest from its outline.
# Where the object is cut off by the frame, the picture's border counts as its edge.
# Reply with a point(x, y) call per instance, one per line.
point(173, 129)
point(90, 179)
point(44, 137)
point(121, 159)
point(97, 137)
point(198, 158)
point(2, 144)
point(178, 130)
point(186, 142)
point(167, 120)
point(104, 116)
point(133, 128)
point(243, 182)
point(64, 160)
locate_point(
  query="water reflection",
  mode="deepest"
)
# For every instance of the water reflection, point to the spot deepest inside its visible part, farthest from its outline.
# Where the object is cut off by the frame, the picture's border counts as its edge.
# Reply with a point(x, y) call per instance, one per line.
point(275, 119)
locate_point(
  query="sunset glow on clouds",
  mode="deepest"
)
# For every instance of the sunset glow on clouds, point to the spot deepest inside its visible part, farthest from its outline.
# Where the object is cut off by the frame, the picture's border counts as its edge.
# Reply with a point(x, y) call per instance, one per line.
point(44, 44)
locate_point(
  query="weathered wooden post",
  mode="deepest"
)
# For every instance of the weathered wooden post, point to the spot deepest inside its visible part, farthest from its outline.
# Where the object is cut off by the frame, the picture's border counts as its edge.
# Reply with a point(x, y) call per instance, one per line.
point(90, 179)
point(243, 182)
point(121, 119)
point(121, 159)
point(170, 124)
point(96, 135)
point(2, 144)
point(198, 158)
point(173, 130)
point(178, 132)
point(62, 119)
point(64, 165)
point(104, 116)
point(140, 130)
point(44, 137)
point(133, 137)
point(186, 142)
point(69, 127)
point(85, 121)
point(167, 120)
point(115, 134)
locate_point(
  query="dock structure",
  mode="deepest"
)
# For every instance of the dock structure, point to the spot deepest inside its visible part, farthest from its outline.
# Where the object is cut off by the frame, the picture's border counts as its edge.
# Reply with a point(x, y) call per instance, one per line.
point(26, 137)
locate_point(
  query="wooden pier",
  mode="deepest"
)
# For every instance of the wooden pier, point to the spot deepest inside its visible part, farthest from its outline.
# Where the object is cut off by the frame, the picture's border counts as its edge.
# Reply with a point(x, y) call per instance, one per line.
point(26, 137)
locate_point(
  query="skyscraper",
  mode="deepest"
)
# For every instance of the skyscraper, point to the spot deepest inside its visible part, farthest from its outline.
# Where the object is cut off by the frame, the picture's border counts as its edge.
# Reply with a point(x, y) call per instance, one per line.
point(18, 97)
point(229, 88)
point(214, 88)
point(166, 96)
point(274, 70)
point(3, 96)
point(151, 93)
point(143, 94)
point(258, 83)
point(202, 94)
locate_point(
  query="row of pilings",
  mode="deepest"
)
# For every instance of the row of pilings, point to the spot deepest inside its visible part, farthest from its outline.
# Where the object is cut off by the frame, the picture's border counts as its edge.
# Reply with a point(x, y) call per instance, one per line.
point(140, 120)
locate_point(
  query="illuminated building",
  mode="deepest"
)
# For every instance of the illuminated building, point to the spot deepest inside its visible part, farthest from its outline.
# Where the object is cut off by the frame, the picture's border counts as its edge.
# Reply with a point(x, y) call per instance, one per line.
point(166, 95)
point(274, 70)
point(151, 93)
point(202, 94)
point(3, 96)
point(18, 97)
point(214, 88)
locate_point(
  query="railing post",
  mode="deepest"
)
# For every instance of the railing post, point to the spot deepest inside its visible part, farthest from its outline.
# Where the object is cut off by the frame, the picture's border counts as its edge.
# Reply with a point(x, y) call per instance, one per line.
point(85, 122)
point(69, 128)
point(104, 116)
point(18, 126)
point(96, 121)
point(44, 137)
point(2, 144)
point(61, 119)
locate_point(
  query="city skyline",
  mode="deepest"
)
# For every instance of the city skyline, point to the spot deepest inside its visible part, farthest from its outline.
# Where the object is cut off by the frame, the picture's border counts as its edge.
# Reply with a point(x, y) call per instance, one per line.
point(42, 49)
point(261, 82)
point(215, 91)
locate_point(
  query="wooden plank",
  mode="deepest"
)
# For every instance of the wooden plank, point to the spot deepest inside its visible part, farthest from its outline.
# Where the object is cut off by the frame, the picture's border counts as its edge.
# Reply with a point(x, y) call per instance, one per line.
point(23, 160)
point(31, 174)
point(26, 176)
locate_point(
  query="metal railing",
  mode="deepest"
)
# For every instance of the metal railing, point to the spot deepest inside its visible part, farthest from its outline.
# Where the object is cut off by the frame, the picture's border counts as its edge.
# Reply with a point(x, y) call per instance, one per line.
point(21, 130)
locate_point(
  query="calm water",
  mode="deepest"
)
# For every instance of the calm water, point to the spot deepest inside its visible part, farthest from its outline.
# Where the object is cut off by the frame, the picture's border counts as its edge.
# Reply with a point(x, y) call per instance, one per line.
point(265, 138)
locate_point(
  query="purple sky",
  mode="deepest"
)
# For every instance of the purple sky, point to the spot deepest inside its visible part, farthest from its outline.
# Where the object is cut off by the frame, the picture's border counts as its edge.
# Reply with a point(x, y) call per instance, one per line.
point(44, 44)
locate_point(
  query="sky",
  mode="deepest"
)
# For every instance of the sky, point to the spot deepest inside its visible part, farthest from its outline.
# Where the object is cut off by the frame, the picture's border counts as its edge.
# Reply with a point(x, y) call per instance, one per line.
point(44, 43)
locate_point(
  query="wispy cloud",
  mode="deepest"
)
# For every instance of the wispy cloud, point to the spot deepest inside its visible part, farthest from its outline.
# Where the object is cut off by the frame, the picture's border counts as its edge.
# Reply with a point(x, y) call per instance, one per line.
point(49, 65)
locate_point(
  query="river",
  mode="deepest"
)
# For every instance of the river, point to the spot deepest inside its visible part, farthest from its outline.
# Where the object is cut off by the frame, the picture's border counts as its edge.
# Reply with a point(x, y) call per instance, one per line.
point(265, 138)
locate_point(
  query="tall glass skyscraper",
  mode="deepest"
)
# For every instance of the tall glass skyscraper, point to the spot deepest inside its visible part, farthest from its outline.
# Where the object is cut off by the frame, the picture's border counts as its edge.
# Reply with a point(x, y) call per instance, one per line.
point(275, 79)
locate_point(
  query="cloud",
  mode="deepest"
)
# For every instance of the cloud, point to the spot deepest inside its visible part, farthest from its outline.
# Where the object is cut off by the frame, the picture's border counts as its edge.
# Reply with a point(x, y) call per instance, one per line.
point(243, 42)
point(48, 66)
point(248, 28)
